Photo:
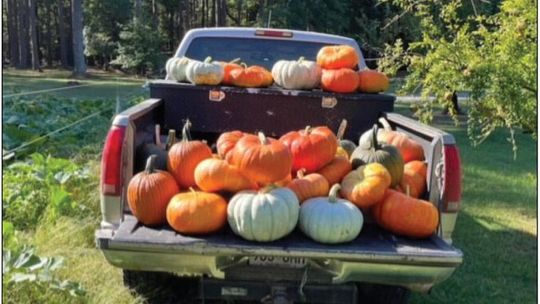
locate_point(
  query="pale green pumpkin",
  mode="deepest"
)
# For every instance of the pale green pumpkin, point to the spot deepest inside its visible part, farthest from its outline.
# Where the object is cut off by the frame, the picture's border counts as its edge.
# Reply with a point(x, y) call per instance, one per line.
point(176, 68)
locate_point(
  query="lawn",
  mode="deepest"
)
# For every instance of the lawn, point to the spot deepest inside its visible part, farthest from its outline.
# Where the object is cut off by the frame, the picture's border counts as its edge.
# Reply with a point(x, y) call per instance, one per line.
point(53, 205)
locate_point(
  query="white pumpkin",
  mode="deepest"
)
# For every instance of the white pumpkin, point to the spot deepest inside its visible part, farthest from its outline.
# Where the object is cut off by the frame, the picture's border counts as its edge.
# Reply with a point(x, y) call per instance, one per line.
point(176, 68)
point(263, 216)
point(204, 72)
point(330, 220)
point(297, 75)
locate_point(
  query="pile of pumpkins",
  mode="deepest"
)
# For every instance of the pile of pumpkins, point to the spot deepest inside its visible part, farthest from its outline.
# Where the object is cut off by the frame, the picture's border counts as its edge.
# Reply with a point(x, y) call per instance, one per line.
point(265, 187)
point(333, 71)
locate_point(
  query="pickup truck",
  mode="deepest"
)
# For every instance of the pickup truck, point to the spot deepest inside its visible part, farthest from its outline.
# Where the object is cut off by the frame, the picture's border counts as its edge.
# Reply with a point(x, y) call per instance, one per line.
point(376, 267)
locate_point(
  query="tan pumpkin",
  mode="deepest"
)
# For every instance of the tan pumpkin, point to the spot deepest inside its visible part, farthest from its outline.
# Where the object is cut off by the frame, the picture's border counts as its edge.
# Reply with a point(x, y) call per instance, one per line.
point(366, 185)
point(308, 186)
point(371, 81)
point(408, 148)
point(336, 169)
point(213, 175)
point(414, 178)
point(149, 192)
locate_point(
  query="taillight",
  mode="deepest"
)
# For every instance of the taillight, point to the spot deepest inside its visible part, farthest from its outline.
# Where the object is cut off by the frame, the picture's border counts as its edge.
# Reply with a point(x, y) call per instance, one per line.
point(273, 33)
point(452, 179)
point(111, 162)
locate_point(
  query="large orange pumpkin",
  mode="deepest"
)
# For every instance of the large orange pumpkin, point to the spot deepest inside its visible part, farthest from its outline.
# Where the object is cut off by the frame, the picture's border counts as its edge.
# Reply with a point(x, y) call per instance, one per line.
point(213, 175)
point(184, 156)
point(366, 185)
point(337, 57)
point(406, 216)
point(371, 81)
point(227, 68)
point(311, 148)
point(196, 212)
point(340, 81)
point(308, 186)
point(414, 178)
point(247, 77)
point(408, 148)
point(149, 192)
point(226, 142)
point(264, 160)
point(336, 169)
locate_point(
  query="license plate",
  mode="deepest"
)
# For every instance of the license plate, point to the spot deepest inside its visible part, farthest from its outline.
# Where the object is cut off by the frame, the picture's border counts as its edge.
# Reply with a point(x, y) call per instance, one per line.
point(289, 262)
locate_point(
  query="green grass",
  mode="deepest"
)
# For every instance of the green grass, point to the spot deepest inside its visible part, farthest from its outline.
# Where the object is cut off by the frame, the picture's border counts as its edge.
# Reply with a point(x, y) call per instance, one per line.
point(496, 227)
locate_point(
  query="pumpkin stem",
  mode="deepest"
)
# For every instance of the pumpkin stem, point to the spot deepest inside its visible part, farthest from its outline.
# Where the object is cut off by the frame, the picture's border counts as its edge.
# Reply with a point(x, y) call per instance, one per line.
point(374, 142)
point(341, 129)
point(171, 139)
point(307, 130)
point(300, 173)
point(186, 135)
point(208, 59)
point(150, 164)
point(301, 59)
point(235, 60)
point(332, 195)
point(408, 190)
point(385, 124)
point(244, 65)
point(263, 138)
point(157, 134)
point(268, 188)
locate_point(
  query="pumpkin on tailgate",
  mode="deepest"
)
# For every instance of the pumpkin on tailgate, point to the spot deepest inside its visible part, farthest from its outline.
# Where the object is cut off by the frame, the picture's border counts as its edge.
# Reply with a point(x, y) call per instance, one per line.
point(330, 220)
point(263, 160)
point(227, 68)
point(149, 192)
point(297, 74)
point(176, 68)
point(184, 156)
point(410, 150)
point(337, 57)
point(196, 212)
point(308, 186)
point(366, 185)
point(226, 142)
point(213, 175)
point(371, 81)
point(414, 178)
point(384, 154)
point(407, 216)
point(335, 170)
point(265, 215)
point(340, 81)
point(268, 80)
point(311, 148)
point(247, 77)
point(204, 72)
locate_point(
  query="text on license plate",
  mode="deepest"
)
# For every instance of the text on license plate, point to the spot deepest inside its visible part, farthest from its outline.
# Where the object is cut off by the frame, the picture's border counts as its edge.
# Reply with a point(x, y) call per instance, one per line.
point(290, 262)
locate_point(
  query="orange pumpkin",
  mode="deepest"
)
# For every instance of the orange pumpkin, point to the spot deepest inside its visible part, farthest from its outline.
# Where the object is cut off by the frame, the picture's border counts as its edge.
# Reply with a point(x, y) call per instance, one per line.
point(311, 148)
point(184, 156)
point(308, 186)
point(227, 68)
point(408, 148)
point(263, 160)
point(371, 81)
point(247, 77)
point(226, 142)
point(406, 216)
point(414, 178)
point(149, 192)
point(340, 81)
point(336, 169)
point(213, 175)
point(366, 185)
point(196, 212)
point(337, 57)
point(268, 80)
point(284, 182)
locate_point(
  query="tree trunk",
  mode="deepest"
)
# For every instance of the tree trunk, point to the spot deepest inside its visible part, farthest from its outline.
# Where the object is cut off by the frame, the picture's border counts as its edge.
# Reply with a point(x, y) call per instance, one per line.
point(222, 13)
point(13, 35)
point(79, 66)
point(203, 15)
point(49, 35)
point(22, 9)
point(137, 8)
point(32, 23)
point(62, 35)
point(213, 13)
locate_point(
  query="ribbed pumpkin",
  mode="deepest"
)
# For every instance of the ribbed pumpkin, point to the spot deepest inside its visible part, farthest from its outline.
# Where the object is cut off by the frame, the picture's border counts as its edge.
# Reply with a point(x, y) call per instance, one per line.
point(335, 170)
point(366, 185)
point(384, 154)
point(263, 160)
point(149, 192)
point(176, 68)
point(268, 80)
point(205, 72)
point(265, 215)
point(184, 156)
point(311, 148)
point(337, 57)
point(226, 142)
point(196, 212)
point(371, 81)
point(247, 77)
point(330, 220)
point(213, 175)
point(227, 68)
point(414, 178)
point(406, 216)
point(340, 81)
point(297, 74)
point(410, 150)
point(308, 186)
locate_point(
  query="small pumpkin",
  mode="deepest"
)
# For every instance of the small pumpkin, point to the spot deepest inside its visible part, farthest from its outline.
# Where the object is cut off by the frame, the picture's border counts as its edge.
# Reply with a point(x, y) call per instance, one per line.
point(371, 81)
point(342, 80)
point(414, 178)
point(346, 145)
point(410, 150)
point(308, 186)
point(204, 72)
point(298, 74)
point(227, 68)
point(149, 192)
point(176, 68)
point(311, 148)
point(247, 77)
point(366, 185)
point(335, 170)
point(185, 155)
point(384, 154)
point(407, 216)
point(213, 175)
point(263, 160)
point(197, 212)
point(268, 80)
point(337, 57)
point(330, 220)
point(265, 215)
